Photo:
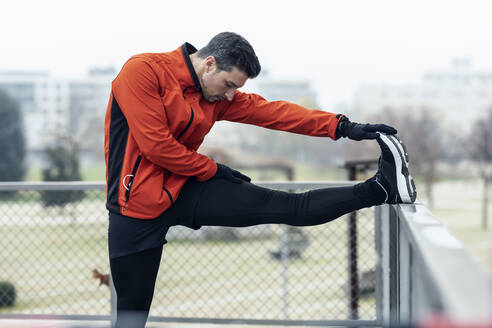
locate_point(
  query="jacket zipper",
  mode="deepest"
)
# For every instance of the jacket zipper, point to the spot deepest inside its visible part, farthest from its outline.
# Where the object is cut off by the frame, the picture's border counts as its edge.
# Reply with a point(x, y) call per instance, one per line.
point(179, 137)
point(132, 177)
point(188, 125)
point(139, 158)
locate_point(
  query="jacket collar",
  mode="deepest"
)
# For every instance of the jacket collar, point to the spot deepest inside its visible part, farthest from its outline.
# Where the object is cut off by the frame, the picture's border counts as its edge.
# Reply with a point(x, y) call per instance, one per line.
point(187, 49)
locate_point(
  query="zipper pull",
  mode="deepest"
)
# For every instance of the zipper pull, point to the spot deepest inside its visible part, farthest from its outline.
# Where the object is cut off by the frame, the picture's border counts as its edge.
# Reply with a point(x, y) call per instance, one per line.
point(127, 192)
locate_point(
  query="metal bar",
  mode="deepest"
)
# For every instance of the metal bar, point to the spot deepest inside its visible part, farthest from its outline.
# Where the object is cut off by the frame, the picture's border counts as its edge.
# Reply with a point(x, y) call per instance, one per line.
point(485, 202)
point(52, 185)
point(98, 185)
point(352, 254)
point(321, 323)
point(378, 244)
point(405, 277)
point(79, 317)
point(446, 278)
point(284, 250)
point(353, 268)
point(394, 273)
point(385, 262)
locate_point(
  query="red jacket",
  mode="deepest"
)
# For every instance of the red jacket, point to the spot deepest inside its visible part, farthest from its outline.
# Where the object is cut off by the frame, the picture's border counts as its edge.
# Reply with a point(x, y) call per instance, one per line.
point(156, 119)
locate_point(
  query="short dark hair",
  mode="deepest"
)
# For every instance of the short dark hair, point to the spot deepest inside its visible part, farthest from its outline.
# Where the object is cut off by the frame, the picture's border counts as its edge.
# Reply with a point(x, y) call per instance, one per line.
point(231, 49)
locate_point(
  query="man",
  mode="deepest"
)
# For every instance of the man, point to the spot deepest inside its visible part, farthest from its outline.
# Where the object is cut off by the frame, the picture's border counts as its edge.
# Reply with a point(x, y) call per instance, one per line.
point(161, 107)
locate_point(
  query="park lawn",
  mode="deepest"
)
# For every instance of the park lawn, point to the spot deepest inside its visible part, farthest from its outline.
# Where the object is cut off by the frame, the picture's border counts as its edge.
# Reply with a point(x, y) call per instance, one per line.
point(88, 173)
point(302, 172)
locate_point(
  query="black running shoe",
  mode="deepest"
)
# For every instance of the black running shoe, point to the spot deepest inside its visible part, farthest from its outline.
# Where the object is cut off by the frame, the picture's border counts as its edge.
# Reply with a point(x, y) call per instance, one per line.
point(393, 175)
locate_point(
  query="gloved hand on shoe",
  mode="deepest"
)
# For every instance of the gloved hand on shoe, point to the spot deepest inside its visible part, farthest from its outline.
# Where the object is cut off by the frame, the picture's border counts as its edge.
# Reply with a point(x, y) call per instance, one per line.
point(357, 131)
point(225, 172)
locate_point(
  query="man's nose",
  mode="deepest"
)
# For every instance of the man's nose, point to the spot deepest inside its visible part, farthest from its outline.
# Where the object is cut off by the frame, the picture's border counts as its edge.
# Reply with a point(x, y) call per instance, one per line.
point(230, 94)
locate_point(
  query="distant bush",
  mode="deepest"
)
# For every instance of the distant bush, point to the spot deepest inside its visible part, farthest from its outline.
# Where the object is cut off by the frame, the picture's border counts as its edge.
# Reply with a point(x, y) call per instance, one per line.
point(7, 294)
point(64, 166)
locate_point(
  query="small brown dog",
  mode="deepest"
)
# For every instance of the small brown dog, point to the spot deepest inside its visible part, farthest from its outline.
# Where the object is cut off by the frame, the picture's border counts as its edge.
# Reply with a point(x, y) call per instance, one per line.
point(103, 278)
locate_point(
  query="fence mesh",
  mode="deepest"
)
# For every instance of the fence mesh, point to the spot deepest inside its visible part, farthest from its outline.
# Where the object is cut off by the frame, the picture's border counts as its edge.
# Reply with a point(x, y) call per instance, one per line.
point(49, 250)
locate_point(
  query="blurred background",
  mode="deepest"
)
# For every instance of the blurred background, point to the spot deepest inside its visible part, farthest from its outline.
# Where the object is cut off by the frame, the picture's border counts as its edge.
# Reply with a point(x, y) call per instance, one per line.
point(424, 67)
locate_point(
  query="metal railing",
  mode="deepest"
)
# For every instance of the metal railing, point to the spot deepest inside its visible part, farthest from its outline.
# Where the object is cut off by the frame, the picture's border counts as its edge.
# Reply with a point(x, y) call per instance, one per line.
point(410, 265)
point(424, 271)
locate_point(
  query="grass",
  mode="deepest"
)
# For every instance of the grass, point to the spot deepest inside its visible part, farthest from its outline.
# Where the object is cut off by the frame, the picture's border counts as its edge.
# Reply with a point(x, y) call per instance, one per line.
point(88, 173)
point(458, 205)
point(302, 172)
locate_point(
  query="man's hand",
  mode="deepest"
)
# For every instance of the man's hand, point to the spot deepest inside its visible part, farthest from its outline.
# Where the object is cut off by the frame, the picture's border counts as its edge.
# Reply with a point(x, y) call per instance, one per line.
point(225, 172)
point(357, 131)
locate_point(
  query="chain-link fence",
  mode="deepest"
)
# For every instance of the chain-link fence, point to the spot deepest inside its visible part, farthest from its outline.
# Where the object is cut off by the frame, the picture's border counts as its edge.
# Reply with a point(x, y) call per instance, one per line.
point(52, 240)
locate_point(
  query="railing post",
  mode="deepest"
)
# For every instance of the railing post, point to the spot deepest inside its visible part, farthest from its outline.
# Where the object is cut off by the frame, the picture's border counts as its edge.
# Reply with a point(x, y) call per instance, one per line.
point(380, 260)
point(353, 265)
point(406, 278)
point(485, 201)
point(394, 268)
point(354, 167)
point(284, 253)
point(387, 269)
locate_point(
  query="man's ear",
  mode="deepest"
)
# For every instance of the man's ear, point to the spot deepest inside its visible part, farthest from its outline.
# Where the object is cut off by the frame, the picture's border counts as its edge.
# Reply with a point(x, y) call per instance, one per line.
point(210, 64)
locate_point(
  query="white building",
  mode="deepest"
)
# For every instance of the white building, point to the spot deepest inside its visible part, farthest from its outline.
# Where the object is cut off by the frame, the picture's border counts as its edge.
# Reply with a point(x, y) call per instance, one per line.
point(43, 102)
point(236, 136)
point(299, 92)
point(53, 107)
point(88, 98)
point(458, 96)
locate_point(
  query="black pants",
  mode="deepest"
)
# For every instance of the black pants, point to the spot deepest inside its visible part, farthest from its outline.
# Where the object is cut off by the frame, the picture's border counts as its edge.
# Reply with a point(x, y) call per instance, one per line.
point(218, 202)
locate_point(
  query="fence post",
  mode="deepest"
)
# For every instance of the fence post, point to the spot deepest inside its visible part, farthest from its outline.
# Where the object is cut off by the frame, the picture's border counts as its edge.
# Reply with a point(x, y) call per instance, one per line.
point(284, 253)
point(354, 167)
point(353, 266)
point(381, 249)
point(284, 257)
point(485, 200)
point(394, 267)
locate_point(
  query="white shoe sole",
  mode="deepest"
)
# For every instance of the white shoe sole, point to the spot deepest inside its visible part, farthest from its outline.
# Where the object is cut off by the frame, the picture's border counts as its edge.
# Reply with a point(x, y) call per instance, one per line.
point(405, 184)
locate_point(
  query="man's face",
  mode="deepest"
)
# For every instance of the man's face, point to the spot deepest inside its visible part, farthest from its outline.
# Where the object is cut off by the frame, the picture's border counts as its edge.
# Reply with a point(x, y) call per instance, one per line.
point(219, 85)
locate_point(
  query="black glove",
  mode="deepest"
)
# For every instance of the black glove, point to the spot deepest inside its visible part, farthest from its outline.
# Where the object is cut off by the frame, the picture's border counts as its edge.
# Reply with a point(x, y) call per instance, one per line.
point(225, 172)
point(357, 131)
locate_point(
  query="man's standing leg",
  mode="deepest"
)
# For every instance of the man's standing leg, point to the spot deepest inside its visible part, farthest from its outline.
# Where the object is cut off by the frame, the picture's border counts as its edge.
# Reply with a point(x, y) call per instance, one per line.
point(134, 279)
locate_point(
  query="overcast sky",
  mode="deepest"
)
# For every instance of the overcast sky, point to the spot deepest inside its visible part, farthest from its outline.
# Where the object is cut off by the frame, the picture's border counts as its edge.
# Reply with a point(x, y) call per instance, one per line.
point(335, 44)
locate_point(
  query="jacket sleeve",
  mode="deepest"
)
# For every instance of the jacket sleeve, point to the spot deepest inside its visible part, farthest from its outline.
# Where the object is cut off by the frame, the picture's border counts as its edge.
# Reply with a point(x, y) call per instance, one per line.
point(136, 89)
point(279, 115)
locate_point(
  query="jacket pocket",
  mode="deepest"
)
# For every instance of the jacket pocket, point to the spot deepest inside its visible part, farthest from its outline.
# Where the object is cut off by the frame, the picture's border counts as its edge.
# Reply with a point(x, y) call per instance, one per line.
point(131, 177)
point(168, 194)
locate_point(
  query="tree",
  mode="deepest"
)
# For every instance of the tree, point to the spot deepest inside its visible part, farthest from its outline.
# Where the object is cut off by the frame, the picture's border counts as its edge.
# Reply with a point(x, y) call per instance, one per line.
point(423, 137)
point(12, 140)
point(64, 166)
point(480, 147)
